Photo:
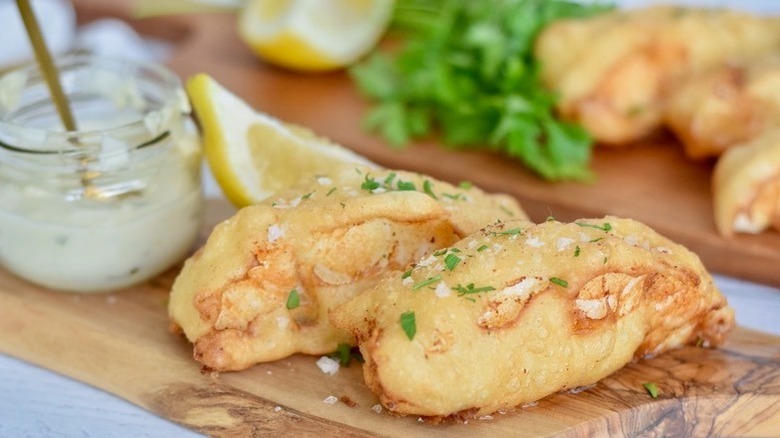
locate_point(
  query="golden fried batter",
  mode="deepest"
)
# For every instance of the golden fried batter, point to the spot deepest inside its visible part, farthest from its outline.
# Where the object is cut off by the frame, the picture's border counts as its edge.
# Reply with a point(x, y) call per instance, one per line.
point(614, 71)
point(327, 239)
point(518, 311)
point(725, 107)
point(746, 186)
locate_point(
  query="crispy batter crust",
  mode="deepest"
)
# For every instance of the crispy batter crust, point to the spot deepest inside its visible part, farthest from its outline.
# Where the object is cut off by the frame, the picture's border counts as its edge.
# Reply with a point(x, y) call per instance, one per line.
point(561, 306)
point(327, 239)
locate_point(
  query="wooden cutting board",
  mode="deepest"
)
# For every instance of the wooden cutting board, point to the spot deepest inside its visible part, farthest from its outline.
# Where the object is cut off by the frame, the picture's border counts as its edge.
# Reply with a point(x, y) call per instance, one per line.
point(651, 182)
point(120, 343)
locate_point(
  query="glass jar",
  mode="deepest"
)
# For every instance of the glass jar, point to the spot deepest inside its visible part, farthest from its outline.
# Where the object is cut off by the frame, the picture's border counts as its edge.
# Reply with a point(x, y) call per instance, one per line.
point(111, 204)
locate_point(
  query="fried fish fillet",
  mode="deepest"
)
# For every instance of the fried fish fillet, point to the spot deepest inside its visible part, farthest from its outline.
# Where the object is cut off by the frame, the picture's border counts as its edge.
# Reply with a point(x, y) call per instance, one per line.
point(327, 239)
point(518, 311)
point(725, 107)
point(613, 72)
point(746, 186)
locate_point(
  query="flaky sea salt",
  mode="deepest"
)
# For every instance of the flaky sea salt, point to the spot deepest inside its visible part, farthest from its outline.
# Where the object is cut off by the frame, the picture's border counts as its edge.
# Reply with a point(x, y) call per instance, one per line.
point(328, 365)
point(377, 408)
point(282, 321)
point(442, 290)
point(563, 243)
point(324, 181)
point(534, 242)
point(275, 232)
point(331, 399)
point(277, 408)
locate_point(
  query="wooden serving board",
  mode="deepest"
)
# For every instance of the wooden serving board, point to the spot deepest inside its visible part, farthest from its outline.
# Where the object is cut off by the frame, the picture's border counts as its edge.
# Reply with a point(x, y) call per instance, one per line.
point(651, 182)
point(120, 342)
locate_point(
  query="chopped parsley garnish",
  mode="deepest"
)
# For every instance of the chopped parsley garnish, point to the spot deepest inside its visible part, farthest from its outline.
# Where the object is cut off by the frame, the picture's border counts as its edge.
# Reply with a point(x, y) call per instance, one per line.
point(465, 185)
point(451, 261)
point(370, 184)
point(550, 219)
point(468, 69)
point(559, 282)
point(577, 251)
point(407, 274)
point(470, 289)
point(293, 299)
point(345, 353)
point(427, 282)
point(428, 189)
point(389, 179)
point(307, 196)
point(482, 248)
point(509, 212)
point(454, 197)
point(406, 185)
point(651, 389)
point(509, 232)
point(605, 227)
point(330, 192)
point(408, 324)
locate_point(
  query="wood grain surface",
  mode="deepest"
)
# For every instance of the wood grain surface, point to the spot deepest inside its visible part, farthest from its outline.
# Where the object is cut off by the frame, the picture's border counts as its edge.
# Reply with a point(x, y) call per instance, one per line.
point(120, 343)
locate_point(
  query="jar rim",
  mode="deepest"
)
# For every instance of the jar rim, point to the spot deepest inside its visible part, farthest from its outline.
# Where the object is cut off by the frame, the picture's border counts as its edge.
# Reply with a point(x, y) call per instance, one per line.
point(169, 81)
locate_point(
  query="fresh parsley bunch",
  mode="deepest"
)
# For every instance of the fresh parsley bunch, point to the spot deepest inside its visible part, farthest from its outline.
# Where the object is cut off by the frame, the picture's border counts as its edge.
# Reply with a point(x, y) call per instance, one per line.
point(467, 68)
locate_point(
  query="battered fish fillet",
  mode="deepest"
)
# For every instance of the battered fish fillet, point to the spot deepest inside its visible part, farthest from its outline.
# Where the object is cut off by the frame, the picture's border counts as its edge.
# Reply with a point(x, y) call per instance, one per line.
point(326, 240)
point(746, 186)
point(725, 107)
point(613, 72)
point(528, 310)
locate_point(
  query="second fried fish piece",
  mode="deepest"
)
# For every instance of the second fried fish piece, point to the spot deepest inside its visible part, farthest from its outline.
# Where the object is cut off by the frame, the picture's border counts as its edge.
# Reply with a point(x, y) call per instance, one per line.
point(613, 72)
point(518, 311)
point(727, 106)
point(260, 289)
point(746, 186)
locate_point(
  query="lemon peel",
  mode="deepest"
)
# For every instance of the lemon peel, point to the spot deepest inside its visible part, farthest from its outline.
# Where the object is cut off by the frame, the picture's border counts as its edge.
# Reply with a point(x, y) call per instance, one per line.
point(253, 155)
point(313, 35)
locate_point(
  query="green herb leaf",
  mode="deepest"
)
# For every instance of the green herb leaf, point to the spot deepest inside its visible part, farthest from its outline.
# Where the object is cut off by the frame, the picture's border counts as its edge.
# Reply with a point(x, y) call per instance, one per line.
point(577, 251)
point(293, 299)
point(559, 282)
point(606, 226)
point(345, 353)
point(428, 189)
point(370, 184)
point(509, 232)
point(482, 248)
point(426, 282)
point(406, 185)
point(468, 69)
point(470, 289)
point(651, 388)
point(465, 185)
point(330, 192)
point(408, 324)
point(451, 261)
point(407, 274)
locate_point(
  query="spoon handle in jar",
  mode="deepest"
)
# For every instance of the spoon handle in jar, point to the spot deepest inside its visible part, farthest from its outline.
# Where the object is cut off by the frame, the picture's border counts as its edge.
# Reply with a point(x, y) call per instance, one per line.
point(46, 64)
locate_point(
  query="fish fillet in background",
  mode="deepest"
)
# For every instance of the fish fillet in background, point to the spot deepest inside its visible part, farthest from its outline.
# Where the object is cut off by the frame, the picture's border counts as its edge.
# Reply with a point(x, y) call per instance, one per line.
point(614, 72)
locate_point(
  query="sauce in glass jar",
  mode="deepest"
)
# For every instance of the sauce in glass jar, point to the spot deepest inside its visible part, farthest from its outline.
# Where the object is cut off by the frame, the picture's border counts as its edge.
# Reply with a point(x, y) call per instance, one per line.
point(107, 206)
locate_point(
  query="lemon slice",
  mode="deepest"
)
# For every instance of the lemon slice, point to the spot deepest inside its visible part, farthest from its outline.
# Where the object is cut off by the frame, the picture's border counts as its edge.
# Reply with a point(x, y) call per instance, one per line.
point(313, 35)
point(251, 154)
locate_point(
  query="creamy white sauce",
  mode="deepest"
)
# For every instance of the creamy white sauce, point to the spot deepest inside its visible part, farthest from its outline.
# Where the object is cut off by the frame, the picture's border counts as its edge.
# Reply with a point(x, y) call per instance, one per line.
point(85, 245)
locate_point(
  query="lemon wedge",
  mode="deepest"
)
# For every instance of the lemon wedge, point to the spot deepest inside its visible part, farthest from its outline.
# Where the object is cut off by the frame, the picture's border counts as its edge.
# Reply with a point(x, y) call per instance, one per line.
point(313, 35)
point(253, 155)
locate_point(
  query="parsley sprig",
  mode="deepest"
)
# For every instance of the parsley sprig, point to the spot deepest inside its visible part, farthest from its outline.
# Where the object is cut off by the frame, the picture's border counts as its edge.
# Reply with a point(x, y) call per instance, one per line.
point(468, 68)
